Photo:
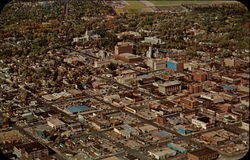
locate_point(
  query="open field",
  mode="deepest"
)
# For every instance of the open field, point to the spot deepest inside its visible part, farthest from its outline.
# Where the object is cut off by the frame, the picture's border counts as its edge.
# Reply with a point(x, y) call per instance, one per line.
point(134, 5)
point(170, 2)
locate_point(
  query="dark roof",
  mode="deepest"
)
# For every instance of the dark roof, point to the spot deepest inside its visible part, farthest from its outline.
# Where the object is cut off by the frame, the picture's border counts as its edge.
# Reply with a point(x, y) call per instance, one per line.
point(204, 119)
point(31, 147)
point(131, 96)
point(53, 112)
point(202, 152)
point(131, 157)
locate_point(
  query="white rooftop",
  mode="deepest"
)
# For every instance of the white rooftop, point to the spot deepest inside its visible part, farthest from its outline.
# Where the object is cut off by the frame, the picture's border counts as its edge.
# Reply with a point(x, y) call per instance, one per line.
point(171, 83)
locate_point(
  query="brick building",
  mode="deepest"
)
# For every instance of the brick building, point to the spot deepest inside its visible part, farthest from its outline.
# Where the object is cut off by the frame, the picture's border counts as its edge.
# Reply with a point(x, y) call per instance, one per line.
point(31, 150)
point(161, 120)
point(203, 154)
point(195, 88)
point(123, 47)
point(200, 76)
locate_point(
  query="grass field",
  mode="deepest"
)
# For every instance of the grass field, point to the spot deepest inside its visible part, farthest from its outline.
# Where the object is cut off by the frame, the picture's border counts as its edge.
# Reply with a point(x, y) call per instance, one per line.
point(134, 5)
point(171, 2)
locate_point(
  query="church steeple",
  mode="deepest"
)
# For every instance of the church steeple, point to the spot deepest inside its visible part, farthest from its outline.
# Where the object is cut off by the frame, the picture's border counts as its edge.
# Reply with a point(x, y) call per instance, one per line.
point(87, 33)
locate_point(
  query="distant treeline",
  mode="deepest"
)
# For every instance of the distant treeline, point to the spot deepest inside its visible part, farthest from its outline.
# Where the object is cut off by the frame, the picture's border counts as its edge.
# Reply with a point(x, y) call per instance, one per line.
point(49, 0)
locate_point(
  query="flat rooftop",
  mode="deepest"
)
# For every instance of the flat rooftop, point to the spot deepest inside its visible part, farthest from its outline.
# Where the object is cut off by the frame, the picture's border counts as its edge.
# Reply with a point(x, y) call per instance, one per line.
point(201, 152)
point(31, 147)
point(77, 109)
point(171, 83)
point(204, 119)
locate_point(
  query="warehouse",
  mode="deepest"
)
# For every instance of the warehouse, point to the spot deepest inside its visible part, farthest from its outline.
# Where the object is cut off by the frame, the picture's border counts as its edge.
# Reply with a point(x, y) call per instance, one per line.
point(203, 154)
point(78, 109)
point(162, 153)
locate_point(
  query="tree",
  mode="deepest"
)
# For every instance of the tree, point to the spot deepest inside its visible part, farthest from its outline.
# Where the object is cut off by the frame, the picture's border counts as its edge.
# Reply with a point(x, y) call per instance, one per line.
point(112, 66)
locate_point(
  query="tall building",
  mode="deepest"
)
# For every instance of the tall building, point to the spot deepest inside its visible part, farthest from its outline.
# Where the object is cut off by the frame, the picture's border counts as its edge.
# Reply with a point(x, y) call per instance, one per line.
point(150, 52)
point(123, 47)
point(175, 66)
point(156, 64)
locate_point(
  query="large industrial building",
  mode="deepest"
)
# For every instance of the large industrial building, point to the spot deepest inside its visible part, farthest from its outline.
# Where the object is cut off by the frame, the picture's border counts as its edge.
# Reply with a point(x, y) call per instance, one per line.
point(203, 154)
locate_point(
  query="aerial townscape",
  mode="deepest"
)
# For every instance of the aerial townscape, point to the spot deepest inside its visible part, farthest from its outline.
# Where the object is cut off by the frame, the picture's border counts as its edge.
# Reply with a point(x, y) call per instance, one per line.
point(124, 80)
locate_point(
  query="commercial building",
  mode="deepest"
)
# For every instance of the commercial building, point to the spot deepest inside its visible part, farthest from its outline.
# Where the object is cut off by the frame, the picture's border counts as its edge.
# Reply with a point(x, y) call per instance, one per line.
point(200, 76)
point(225, 107)
point(177, 147)
point(123, 47)
point(156, 64)
point(162, 135)
point(147, 128)
point(162, 153)
point(203, 122)
point(183, 131)
point(203, 154)
point(55, 123)
point(218, 137)
point(232, 62)
point(190, 102)
point(175, 66)
point(231, 79)
point(78, 109)
point(195, 88)
point(126, 130)
point(100, 124)
point(100, 63)
point(31, 150)
point(170, 87)
point(152, 40)
point(161, 120)
point(128, 57)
